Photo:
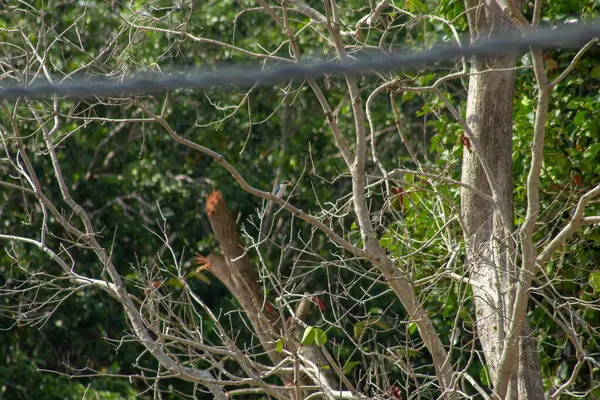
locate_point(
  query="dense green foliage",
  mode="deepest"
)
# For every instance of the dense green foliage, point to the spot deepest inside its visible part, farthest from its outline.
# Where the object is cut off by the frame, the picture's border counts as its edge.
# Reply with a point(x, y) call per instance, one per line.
point(130, 176)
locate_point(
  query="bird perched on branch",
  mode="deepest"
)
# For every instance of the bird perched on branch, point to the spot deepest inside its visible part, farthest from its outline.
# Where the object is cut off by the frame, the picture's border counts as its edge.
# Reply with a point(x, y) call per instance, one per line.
point(279, 191)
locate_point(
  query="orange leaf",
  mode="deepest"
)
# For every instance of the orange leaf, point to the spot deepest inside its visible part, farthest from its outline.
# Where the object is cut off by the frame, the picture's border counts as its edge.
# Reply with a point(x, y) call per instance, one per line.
point(551, 64)
point(202, 262)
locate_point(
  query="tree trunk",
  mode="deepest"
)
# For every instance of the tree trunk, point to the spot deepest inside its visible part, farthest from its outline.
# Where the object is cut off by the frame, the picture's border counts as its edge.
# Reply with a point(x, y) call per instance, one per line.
point(490, 245)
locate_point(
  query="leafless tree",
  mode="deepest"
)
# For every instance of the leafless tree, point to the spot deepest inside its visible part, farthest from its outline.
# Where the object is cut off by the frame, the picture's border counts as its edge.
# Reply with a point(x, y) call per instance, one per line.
point(503, 263)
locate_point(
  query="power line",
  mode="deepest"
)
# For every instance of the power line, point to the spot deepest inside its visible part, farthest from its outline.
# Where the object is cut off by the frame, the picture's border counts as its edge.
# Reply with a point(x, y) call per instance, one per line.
point(565, 36)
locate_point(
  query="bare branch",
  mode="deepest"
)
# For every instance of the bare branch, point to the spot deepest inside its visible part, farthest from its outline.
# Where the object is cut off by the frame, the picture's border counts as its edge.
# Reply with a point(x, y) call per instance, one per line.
point(576, 221)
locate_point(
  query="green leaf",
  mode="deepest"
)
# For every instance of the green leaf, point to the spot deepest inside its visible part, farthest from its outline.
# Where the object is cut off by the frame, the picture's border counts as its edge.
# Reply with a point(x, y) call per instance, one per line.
point(132, 276)
point(563, 370)
point(359, 327)
point(386, 241)
point(484, 376)
point(320, 337)
point(415, 197)
point(200, 276)
point(592, 151)
point(381, 324)
point(349, 366)
point(309, 336)
point(412, 327)
point(426, 79)
point(435, 140)
point(594, 281)
point(595, 72)
point(411, 353)
point(174, 282)
point(594, 127)
point(415, 6)
point(279, 346)
point(580, 118)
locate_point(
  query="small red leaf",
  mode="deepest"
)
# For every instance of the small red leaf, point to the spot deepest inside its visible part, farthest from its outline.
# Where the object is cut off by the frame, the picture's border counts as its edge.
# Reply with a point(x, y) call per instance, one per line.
point(578, 180)
point(320, 303)
point(466, 142)
point(399, 193)
point(269, 308)
point(395, 392)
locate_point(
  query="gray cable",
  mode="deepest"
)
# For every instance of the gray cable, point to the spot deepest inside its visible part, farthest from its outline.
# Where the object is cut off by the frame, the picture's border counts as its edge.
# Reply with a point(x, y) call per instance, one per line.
point(565, 36)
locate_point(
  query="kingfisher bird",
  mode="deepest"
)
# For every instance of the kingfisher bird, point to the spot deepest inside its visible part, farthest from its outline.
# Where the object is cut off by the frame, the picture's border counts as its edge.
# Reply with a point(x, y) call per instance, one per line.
point(279, 191)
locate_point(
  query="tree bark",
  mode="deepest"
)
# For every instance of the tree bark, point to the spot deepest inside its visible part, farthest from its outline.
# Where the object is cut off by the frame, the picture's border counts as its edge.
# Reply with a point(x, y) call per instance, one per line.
point(489, 227)
point(235, 270)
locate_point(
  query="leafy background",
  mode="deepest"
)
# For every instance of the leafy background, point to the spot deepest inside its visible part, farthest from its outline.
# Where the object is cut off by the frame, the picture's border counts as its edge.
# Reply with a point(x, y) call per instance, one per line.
point(139, 173)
